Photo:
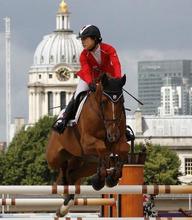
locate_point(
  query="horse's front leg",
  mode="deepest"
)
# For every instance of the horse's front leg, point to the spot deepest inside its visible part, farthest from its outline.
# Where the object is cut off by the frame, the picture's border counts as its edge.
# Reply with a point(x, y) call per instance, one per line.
point(94, 146)
point(98, 180)
point(112, 178)
point(120, 149)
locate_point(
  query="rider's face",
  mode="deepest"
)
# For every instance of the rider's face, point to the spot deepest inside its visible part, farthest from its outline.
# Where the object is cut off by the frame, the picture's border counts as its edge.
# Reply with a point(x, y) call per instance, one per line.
point(88, 43)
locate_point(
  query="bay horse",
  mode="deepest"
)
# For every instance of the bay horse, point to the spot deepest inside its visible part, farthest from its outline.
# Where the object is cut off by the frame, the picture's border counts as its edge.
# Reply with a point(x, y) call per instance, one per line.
point(85, 149)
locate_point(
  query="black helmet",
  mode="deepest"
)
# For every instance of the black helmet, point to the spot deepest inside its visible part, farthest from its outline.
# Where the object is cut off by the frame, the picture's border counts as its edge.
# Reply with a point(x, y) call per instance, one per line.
point(90, 31)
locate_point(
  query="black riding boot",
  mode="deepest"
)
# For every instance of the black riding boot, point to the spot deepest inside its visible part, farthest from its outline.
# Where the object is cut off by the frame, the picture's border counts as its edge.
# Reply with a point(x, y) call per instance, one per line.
point(61, 123)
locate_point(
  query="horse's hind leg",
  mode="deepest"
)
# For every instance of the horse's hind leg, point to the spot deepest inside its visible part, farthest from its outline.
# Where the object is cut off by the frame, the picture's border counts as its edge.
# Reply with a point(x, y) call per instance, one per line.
point(67, 180)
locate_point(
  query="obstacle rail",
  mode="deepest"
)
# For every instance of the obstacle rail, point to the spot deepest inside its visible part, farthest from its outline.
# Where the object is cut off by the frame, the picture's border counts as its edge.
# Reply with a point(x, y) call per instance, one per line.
point(88, 190)
point(132, 218)
point(54, 202)
point(94, 218)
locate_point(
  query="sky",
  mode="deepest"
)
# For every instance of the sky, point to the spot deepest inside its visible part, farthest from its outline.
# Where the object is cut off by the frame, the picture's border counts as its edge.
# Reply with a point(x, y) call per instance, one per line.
point(138, 29)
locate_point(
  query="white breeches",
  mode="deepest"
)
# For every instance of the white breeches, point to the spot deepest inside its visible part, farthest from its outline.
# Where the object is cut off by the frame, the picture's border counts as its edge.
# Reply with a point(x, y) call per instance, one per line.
point(82, 86)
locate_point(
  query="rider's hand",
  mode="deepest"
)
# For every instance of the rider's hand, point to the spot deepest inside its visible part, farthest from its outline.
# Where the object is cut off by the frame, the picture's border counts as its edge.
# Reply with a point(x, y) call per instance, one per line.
point(92, 87)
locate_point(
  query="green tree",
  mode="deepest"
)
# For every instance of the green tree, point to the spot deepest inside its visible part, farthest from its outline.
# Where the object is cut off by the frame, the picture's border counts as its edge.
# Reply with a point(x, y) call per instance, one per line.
point(24, 162)
point(161, 166)
point(1, 164)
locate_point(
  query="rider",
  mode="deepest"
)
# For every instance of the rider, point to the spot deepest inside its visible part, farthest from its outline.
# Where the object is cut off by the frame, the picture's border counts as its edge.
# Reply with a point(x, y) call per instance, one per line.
point(96, 58)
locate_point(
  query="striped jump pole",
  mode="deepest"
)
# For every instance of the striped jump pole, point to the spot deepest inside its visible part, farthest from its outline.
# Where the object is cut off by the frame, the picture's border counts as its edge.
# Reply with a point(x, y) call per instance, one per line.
point(97, 218)
point(88, 190)
point(94, 218)
point(56, 202)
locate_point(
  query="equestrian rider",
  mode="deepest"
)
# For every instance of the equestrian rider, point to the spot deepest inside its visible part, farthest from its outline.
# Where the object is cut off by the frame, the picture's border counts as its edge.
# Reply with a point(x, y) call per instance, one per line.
point(96, 58)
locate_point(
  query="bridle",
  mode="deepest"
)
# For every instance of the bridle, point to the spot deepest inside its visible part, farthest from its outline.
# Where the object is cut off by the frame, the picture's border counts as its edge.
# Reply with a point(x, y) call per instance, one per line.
point(114, 98)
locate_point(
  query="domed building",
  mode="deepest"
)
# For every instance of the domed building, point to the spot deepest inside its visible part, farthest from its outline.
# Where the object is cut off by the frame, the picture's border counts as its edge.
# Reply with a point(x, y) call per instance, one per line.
point(52, 77)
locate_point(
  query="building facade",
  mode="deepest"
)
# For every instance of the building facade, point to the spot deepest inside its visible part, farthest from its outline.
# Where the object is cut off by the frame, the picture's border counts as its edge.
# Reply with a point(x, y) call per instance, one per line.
point(174, 97)
point(52, 78)
point(174, 132)
point(152, 77)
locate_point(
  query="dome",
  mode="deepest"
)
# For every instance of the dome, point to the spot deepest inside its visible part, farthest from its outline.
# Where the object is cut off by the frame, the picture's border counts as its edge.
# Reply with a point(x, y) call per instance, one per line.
point(62, 46)
point(59, 47)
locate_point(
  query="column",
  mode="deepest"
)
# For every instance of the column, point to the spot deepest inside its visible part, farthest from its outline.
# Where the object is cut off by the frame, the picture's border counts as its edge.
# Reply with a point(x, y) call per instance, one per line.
point(58, 104)
point(37, 106)
point(46, 104)
point(33, 107)
point(55, 103)
point(68, 97)
point(40, 104)
point(30, 107)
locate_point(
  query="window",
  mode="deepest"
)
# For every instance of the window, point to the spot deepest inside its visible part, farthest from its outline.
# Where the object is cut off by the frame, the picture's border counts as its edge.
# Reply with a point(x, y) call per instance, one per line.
point(188, 166)
point(63, 99)
point(42, 59)
point(63, 58)
point(39, 76)
point(50, 103)
point(51, 59)
point(50, 76)
point(74, 58)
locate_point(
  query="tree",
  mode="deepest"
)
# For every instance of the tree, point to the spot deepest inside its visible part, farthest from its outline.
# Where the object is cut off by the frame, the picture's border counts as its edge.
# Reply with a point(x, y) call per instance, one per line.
point(161, 166)
point(1, 164)
point(24, 162)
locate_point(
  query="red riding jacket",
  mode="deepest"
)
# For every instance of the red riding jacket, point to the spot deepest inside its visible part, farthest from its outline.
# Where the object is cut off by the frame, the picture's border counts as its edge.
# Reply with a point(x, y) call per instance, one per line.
point(90, 69)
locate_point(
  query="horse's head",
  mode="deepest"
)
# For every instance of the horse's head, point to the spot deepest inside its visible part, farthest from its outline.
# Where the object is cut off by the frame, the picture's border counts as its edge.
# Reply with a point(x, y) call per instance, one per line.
point(111, 104)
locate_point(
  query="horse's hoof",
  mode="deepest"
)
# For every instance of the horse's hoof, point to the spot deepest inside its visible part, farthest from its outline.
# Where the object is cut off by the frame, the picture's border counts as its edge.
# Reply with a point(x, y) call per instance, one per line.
point(111, 181)
point(97, 182)
point(58, 213)
point(64, 209)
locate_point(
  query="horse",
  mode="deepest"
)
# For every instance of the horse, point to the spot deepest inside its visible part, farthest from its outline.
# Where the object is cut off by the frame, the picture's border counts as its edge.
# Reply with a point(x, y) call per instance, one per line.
point(96, 142)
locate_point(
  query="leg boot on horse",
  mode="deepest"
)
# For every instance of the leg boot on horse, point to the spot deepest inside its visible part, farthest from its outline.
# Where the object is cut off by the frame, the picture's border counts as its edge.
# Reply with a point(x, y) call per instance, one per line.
point(112, 178)
point(98, 180)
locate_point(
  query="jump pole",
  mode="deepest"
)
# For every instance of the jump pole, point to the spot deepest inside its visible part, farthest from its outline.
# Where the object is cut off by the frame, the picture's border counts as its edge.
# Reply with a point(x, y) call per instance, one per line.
point(132, 218)
point(88, 190)
point(56, 202)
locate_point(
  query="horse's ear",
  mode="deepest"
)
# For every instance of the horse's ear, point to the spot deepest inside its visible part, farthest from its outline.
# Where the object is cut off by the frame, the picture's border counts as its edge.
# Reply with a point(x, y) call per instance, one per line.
point(104, 79)
point(123, 80)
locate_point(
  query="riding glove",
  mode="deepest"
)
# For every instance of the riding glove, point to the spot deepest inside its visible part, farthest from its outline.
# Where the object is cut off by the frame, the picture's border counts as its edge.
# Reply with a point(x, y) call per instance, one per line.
point(92, 87)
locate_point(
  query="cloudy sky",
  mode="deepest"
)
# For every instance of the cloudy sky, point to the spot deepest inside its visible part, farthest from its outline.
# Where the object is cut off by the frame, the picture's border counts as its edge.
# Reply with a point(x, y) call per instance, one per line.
point(138, 29)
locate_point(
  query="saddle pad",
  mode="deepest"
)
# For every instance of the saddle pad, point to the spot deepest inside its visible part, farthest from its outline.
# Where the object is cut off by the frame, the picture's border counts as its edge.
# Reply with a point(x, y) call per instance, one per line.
point(74, 121)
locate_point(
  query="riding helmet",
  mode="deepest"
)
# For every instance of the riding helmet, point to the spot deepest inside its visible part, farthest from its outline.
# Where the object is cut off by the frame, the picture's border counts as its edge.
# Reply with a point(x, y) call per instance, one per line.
point(90, 31)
